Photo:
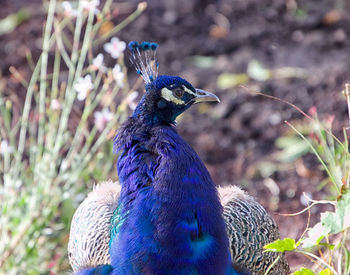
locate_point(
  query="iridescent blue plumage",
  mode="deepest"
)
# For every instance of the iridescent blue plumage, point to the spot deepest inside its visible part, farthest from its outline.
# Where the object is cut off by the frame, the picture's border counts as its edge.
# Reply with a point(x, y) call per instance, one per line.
point(172, 217)
point(99, 270)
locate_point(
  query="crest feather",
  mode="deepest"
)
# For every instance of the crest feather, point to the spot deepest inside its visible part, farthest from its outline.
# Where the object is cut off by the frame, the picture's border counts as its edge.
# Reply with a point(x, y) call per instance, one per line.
point(143, 58)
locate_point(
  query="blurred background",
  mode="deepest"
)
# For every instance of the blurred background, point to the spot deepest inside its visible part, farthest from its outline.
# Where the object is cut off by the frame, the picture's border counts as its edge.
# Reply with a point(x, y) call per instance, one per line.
point(297, 51)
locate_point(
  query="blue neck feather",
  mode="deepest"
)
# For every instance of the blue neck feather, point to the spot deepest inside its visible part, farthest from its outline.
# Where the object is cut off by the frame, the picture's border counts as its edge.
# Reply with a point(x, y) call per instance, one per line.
point(171, 215)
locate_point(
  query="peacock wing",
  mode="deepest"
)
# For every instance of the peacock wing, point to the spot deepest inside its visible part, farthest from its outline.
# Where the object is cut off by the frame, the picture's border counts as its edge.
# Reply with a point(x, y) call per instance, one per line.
point(90, 230)
point(250, 228)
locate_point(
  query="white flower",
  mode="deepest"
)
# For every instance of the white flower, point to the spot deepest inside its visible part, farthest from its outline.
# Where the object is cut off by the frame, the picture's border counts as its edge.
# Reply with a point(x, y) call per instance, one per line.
point(97, 63)
point(83, 86)
point(55, 104)
point(115, 47)
point(98, 60)
point(118, 75)
point(68, 9)
point(5, 148)
point(90, 4)
point(102, 118)
point(130, 100)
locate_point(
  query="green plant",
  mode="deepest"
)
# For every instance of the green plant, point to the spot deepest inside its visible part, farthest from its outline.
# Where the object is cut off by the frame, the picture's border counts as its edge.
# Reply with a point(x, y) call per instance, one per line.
point(50, 152)
point(327, 243)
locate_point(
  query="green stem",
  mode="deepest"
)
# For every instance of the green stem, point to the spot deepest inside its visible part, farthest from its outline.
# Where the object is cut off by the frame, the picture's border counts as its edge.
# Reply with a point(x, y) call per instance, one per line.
point(317, 155)
point(85, 46)
point(69, 95)
point(82, 58)
point(54, 96)
point(24, 121)
point(43, 73)
point(60, 45)
point(88, 109)
point(272, 265)
point(319, 260)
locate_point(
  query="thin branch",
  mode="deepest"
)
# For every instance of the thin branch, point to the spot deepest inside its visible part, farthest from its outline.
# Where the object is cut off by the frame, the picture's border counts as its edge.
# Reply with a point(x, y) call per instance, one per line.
point(319, 260)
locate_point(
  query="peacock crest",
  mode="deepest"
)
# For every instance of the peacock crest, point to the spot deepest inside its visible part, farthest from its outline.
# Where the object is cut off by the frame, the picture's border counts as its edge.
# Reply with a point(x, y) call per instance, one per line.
point(143, 58)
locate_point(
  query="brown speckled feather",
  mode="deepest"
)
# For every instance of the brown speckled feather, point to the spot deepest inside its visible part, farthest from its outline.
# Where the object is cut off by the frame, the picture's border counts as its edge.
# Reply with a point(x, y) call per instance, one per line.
point(88, 244)
point(250, 228)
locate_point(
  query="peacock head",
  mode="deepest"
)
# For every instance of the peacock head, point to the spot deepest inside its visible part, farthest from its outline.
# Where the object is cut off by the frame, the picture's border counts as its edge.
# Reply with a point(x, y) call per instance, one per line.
point(166, 96)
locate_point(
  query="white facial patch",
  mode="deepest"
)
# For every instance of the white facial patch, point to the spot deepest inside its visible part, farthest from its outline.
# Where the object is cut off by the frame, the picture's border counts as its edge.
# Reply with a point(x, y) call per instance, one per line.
point(168, 96)
point(187, 90)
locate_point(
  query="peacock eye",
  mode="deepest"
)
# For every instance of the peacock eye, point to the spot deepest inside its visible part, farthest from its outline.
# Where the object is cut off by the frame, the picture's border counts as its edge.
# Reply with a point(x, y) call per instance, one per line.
point(178, 92)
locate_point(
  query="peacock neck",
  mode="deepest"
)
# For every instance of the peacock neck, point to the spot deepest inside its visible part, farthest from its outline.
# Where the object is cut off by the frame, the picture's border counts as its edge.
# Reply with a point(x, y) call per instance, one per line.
point(169, 203)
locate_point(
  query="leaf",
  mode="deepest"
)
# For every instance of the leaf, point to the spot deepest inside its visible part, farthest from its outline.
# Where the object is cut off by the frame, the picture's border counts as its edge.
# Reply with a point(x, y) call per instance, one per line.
point(289, 72)
point(202, 61)
point(266, 169)
point(286, 141)
point(106, 27)
point(325, 272)
point(331, 221)
point(337, 221)
point(286, 244)
point(293, 148)
point(344, 206)
point(328, 245)
point(304, 271)
point(315, 235)
point(226, 80)
point(9, 23)
point(257, 71)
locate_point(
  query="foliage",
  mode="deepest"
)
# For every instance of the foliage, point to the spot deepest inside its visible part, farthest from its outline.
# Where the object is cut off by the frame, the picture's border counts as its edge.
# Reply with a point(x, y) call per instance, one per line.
point(327, 242)
point(59, 142)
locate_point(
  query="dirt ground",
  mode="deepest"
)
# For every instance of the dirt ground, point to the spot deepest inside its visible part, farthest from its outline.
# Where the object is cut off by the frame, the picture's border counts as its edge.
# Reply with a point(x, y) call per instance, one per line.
point(236, 138)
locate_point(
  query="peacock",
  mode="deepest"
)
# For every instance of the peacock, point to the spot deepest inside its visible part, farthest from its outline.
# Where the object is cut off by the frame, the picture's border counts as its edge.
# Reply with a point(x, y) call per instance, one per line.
point(167, 216)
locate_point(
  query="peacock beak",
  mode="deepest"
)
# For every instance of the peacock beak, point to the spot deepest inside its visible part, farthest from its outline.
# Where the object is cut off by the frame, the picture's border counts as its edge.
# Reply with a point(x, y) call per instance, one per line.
point(202, 96)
